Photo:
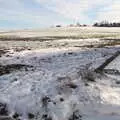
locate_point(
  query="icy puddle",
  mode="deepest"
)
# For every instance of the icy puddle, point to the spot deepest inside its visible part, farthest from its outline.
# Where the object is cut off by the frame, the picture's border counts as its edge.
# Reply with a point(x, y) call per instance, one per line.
point(60, 85)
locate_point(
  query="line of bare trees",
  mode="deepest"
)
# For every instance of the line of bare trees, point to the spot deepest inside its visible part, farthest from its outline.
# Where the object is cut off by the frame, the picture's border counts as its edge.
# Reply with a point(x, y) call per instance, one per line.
point(107, 24)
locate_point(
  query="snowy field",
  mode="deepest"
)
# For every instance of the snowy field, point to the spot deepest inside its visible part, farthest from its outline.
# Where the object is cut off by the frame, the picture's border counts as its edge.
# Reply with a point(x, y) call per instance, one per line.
point(65, 32)
point(58, 78)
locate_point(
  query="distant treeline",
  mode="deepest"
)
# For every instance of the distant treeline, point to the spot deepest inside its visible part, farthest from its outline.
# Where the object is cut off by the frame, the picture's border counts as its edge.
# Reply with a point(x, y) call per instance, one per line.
point(97, 24)
point(106, 24)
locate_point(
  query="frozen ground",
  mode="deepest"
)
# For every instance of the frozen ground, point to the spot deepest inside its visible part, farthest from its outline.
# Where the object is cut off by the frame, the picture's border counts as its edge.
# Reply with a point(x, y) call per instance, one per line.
point(66, 32)
point(60, 85)
point(52, 76)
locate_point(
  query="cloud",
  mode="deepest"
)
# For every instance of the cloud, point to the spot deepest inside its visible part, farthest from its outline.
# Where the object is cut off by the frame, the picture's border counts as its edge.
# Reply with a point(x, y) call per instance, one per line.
point(18, 13)
point(69, 9)
point(74, 9)
point(49, 12)
point(112, 13)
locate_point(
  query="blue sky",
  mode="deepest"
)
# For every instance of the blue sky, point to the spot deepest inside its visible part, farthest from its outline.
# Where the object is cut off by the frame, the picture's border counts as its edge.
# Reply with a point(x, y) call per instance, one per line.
point(20, 14)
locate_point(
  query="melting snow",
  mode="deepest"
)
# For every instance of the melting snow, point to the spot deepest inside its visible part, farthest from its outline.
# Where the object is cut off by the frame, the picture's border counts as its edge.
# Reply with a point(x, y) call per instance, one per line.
point(54, 86)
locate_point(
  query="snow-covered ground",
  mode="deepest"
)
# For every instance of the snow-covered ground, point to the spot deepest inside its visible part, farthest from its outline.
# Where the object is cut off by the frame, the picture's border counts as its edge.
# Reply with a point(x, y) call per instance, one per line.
point(76, 32)
point(61, 84)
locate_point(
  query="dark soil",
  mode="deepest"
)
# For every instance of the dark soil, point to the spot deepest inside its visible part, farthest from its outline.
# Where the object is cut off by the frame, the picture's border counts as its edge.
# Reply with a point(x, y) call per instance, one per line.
point(75, 116)
point(3, 109)
point(2, 51)
point(6, 69)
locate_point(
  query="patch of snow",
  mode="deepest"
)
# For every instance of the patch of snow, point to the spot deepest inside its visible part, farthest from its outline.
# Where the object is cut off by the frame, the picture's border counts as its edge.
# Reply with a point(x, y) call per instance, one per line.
point(44, 89)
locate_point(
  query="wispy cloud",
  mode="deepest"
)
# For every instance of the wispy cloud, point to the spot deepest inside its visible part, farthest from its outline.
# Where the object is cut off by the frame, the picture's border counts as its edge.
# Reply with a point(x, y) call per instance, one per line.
point(75, 9)
point(37, 13)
